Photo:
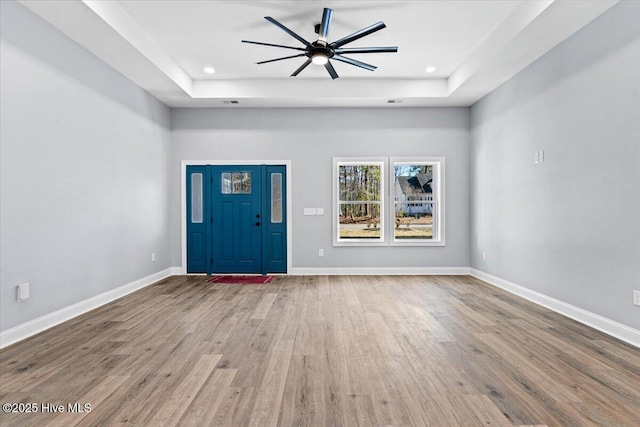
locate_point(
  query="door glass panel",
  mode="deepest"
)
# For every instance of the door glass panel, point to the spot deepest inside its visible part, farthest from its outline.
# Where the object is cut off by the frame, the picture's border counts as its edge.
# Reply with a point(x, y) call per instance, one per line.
point(241, 182)
point(226, 183)
point(196, 198)
point(276, 198)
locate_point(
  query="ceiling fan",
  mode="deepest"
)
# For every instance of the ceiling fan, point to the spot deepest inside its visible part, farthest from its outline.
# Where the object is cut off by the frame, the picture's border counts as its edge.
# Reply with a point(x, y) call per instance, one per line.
point(321, 51)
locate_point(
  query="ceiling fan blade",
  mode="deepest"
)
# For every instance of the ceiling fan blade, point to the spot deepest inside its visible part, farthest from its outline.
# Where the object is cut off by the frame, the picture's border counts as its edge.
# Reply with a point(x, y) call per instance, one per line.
point(354, 62)
point(274, 45)
point(324, 25)
point(331, 70)
point(286, 30)
point(280, 59)
point(389, 49)
point(358, 34)
point(302, 67)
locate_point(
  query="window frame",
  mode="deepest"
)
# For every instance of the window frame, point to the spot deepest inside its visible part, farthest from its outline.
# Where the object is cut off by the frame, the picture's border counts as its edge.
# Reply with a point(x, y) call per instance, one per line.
point(438, 164)
point(359, 161)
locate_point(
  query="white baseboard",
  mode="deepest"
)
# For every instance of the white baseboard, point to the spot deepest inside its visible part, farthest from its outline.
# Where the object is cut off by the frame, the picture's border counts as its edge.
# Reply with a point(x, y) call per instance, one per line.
point(608, 326)
point(32, 327)
point(378, 271)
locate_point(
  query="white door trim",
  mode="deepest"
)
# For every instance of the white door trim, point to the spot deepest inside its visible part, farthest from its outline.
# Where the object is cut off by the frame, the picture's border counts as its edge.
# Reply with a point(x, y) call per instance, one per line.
point(183, 199)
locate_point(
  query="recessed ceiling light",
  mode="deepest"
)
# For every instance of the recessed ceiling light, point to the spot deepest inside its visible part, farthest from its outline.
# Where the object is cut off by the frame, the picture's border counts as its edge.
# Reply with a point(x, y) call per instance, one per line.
point(430, 69)
point(209, 70)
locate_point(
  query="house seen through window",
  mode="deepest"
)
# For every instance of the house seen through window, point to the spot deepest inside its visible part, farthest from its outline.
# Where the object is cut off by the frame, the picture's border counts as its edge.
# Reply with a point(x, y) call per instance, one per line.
point(417, 201)
point(413, 200)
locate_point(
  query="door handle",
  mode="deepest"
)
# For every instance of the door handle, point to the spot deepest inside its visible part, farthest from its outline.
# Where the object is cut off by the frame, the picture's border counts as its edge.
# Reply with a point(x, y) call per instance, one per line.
point(258, 223)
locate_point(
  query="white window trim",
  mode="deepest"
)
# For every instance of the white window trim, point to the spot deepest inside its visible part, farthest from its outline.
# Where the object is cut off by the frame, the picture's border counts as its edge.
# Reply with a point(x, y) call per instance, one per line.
point(339, 161)
point(439, 226)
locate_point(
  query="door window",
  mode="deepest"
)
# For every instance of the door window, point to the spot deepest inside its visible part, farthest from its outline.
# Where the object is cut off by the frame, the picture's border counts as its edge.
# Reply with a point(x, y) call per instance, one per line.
point(196, 198)
point(236, 183)
point(276, 198)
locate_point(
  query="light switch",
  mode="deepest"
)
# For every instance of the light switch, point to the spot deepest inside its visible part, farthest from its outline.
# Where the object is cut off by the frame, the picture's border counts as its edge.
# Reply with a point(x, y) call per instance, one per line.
point(536, 157)
point(309, 211)
point(319, 211)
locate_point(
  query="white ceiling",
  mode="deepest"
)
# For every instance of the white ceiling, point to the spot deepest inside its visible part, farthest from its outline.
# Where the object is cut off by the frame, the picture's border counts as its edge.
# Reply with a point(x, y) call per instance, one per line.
point(164, 45)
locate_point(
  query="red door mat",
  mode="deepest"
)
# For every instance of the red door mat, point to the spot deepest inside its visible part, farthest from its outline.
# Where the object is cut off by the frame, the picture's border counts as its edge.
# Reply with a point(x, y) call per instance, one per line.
point(242, 280)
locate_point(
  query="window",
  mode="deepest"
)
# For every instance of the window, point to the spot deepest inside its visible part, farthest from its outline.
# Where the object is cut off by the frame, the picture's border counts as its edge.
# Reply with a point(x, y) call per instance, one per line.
point(196, 198)
point(236, 183)
point(413, 214)
point(276, 198)
point(359, 201)
point(418, 202)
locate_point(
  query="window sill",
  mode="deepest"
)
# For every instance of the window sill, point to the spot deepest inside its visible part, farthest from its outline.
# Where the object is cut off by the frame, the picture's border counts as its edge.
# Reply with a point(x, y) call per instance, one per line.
point(439, 243)
point(359, 243)
point(417, 243)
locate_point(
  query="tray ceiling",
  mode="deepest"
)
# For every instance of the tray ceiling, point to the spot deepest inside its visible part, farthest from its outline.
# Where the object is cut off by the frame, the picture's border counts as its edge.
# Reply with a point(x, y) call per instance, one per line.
point(164, 46)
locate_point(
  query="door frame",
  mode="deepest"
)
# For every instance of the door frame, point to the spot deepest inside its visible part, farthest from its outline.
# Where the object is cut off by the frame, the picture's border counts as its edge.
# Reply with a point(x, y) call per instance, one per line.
point(183, 200)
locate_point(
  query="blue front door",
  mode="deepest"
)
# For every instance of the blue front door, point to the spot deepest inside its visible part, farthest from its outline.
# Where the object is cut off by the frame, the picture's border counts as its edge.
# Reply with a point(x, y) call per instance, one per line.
point(236, 219)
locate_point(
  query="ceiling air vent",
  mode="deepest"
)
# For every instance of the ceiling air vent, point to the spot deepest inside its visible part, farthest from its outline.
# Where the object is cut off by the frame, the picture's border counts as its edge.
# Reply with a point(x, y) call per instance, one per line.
point(232, 101)
point(394, 101)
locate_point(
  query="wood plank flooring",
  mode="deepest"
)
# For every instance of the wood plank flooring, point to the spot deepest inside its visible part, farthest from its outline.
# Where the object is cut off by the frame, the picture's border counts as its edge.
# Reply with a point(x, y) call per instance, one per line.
point(323, 350)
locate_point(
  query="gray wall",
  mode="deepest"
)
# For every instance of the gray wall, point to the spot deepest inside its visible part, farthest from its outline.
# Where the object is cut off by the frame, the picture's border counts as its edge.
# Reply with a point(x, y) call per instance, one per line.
point(310, 138)
point(84, 183)
point(90, 171)
point(569, 227)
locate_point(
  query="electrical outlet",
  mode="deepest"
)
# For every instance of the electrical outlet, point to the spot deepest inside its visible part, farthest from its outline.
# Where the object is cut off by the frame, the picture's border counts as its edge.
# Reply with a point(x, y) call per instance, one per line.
point(636, 298)
point(484, 255)
point(153, 256)
point(22, 292)
point(541, 156)
point(320, 252)
point(536, 157)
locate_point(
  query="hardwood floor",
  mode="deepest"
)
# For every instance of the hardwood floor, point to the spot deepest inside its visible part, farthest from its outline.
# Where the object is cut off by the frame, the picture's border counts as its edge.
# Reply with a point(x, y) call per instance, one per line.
point(340, 351)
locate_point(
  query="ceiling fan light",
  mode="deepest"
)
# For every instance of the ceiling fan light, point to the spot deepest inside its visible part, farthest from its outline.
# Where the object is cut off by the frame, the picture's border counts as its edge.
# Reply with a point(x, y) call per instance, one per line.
point(319, 59)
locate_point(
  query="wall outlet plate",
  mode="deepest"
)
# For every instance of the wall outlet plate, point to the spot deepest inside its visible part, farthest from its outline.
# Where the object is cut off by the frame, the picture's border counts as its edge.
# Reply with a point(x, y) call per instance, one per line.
point(636, 298)
point(22, 292)
point(309, 211)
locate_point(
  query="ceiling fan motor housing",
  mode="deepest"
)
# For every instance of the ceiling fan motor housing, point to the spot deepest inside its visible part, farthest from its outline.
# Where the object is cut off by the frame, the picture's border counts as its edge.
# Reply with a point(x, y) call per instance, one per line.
point(319, 48)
